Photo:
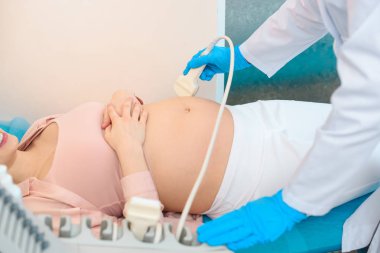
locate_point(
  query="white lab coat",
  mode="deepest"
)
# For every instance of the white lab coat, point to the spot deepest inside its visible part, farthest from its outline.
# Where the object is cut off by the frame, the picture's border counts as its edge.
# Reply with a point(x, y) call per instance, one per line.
point(332, 172)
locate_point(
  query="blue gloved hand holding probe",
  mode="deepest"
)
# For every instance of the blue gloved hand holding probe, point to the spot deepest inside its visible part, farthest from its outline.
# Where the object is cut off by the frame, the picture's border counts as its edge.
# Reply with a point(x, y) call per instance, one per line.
point(217, 61)
point(259, 221)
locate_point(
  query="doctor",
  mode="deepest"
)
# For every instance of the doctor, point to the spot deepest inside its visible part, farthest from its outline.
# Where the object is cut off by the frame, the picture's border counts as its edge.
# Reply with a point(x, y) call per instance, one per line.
point(331, 173)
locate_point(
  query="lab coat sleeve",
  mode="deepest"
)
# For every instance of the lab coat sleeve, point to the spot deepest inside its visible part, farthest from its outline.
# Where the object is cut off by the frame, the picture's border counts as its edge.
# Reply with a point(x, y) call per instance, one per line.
point(288, 32)
point(337, 167)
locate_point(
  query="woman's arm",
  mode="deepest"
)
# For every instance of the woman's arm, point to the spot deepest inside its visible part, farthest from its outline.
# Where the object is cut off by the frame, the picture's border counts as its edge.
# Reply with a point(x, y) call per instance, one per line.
point(126, 135)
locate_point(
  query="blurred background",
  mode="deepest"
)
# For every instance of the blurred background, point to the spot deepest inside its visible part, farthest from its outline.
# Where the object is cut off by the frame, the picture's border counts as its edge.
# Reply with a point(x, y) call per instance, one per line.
point(311, 76)
point(57, 54)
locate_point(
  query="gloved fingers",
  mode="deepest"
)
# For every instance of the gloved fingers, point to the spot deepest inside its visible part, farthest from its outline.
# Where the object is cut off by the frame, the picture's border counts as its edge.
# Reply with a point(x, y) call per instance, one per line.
point(207, 74)
point(230, 220)
point(187, 69)
point(244, 243)
point(229, 237)
point(204, 77)
point(218, 226)
point(199, 62)
point(199, 53)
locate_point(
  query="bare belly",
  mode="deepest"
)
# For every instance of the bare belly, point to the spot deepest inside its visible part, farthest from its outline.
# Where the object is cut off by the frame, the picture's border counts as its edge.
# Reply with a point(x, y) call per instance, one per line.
point(177, 137)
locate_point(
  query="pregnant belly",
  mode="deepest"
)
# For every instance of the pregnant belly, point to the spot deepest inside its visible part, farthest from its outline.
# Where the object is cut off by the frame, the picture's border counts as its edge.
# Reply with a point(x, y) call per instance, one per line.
point(178, 134)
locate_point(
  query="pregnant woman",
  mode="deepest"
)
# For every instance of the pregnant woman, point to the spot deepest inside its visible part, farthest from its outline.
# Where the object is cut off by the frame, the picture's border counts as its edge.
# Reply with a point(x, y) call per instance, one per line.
point(94, 158)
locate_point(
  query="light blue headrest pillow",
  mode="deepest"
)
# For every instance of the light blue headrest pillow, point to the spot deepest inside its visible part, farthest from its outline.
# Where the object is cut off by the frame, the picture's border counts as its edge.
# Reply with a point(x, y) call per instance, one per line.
point(17, 127)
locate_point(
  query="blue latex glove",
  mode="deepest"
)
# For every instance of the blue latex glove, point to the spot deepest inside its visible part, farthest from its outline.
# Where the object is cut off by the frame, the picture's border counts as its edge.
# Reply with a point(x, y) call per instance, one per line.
point(259, 221)
point(218, 61)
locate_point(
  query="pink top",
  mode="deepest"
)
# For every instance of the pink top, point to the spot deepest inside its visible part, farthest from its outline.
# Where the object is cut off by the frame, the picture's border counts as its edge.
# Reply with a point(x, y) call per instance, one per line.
point(85, 176)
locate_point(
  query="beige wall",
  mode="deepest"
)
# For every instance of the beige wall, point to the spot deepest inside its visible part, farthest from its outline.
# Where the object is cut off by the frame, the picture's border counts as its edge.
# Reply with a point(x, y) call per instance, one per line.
point(57, 54)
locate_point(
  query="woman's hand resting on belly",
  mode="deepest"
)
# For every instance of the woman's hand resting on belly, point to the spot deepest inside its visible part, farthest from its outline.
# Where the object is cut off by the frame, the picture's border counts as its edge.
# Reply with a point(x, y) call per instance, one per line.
point(126, 135)
point(117, 100)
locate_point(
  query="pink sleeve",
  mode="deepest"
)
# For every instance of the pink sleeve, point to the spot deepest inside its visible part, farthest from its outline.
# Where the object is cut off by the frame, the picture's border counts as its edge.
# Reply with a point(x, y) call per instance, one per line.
point(139, 184)
point(36, 128)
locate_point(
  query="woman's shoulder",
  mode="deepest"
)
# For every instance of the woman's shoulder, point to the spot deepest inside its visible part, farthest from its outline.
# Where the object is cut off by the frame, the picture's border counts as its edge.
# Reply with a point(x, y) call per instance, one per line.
point(40, 124)
point(36, 128)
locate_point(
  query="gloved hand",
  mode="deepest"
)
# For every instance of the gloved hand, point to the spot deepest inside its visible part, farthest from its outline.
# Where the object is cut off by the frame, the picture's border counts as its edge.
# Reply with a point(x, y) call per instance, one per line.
point(259, 221)
point(218, 61)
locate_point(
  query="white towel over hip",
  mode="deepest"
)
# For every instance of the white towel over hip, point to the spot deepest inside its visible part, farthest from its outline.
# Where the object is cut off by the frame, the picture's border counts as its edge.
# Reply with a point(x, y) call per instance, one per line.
point(270, 140)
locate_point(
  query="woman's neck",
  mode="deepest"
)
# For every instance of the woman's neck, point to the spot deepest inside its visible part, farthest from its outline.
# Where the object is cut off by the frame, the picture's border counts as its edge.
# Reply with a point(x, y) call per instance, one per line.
point(37, 159)
point(23, 166)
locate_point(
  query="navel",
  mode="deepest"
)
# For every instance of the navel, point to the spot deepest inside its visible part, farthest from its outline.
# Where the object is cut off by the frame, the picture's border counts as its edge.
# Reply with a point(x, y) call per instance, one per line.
point(186, 107)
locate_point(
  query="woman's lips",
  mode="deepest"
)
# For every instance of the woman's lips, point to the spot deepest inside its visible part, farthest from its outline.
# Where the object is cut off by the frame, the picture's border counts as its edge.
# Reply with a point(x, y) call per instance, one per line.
point(3, 138)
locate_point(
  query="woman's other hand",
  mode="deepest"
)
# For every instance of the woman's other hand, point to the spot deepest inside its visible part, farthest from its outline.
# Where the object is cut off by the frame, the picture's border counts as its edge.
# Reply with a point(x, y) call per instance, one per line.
point(126, 131)
point(117, 100)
